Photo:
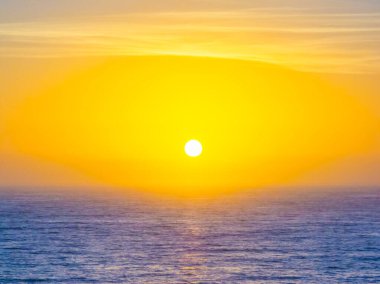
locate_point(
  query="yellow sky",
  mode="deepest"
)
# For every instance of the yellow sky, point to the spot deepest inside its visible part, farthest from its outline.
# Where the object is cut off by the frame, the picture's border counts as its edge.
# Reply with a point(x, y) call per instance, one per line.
point(124, 122)
point(281, 92)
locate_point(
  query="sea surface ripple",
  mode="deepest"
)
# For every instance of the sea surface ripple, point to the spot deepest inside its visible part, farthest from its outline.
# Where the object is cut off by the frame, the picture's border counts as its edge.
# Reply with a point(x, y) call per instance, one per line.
point(285, 237)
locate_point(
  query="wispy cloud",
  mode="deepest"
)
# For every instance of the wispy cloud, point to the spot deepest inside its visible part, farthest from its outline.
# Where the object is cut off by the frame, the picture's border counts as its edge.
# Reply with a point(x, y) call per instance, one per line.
point(323, 41)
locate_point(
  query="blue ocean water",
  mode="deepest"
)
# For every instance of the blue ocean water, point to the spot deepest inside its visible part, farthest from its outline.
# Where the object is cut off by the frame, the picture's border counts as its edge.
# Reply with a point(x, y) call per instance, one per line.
point(282, 237)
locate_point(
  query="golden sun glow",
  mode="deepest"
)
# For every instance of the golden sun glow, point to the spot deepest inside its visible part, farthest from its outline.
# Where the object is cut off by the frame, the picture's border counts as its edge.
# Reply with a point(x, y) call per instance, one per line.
point(263, 125)
point(193, 148)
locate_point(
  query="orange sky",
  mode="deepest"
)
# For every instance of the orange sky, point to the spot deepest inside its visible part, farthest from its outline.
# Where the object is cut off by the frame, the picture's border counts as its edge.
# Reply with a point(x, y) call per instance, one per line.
point(278, 94)
point(124, 121)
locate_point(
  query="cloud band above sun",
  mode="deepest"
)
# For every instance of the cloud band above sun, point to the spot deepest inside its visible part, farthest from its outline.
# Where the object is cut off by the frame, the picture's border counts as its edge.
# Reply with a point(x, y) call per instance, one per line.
point(292, 33)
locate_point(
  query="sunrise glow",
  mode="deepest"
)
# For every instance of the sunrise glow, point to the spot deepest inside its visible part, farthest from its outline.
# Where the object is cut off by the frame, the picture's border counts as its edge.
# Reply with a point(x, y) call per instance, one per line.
point(274, 101)
point(169, 141)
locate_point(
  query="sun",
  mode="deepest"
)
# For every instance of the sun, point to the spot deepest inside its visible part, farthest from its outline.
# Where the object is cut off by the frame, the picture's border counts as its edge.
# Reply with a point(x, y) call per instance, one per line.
point(193, 148)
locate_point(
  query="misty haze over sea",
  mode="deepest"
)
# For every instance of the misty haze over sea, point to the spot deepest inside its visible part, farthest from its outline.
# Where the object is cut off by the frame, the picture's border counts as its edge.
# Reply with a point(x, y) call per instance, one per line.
point(290, 237)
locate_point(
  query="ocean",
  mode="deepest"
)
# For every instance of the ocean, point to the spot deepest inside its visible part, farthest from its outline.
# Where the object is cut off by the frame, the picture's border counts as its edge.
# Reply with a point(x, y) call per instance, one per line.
point(284, 236)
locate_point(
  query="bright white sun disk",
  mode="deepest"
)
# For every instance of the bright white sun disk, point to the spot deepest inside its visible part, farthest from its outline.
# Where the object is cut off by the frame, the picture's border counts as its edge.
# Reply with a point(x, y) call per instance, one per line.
point(193, 148)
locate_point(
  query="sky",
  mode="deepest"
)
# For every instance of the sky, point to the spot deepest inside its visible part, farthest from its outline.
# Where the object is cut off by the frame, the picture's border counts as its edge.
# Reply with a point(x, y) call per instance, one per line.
point(45, 46)
point(327, 35)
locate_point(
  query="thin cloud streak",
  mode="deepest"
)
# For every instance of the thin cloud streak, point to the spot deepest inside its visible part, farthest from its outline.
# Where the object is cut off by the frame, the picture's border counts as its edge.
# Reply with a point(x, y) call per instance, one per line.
point(325, 42)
